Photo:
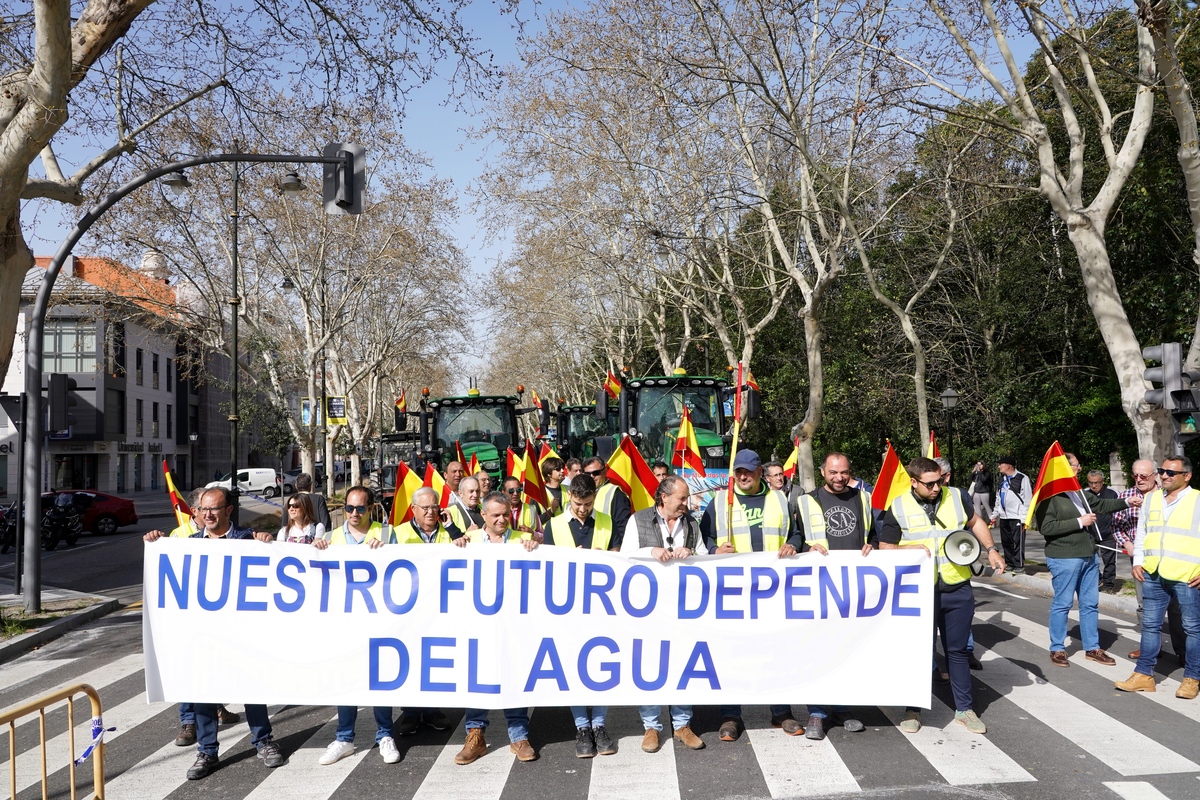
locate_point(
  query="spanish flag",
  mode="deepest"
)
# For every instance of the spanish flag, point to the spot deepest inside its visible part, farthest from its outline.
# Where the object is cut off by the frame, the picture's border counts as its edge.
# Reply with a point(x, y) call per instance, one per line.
point(687, 449)
point(402, 403)
point(932, 451)
point(612, 386)
point(789, 466)
point(434, 480)
point(513, 466)
point(458, 453)
point(546, 452)
point(183, 514)
point(1055, 477)
point(630, 472)
point(474, 468)
point(537, 401)
point(398, 421)
point(531, 479)
point(892, 482)
point(753, 384)
point(407, 484)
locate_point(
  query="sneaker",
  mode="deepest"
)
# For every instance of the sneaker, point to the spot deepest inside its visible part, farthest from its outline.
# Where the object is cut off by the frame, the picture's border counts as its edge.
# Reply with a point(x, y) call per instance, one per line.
point(474, 748)
point(187, 735)
point(437, 719)
point(271, 755)
point(911, 722)
point(971, 721)
point(407, 726)
point(227, 717)
point(605, 746)
point(730, 730)
point(585, 743)
point(335, 752)
point(788, 723)
point(387, 749)
point(815, 729)
point(203, 767)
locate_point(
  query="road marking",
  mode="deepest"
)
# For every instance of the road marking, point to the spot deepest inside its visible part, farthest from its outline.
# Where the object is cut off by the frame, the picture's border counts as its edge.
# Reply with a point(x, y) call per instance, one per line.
point(1001, 591)
point(304, 776)
point(793, 765)
point(482, 780)
point(99, 679)
point(961, 757)
point(29, 668)
point(1136, 790)
point(633, 774)
point(1123, 749)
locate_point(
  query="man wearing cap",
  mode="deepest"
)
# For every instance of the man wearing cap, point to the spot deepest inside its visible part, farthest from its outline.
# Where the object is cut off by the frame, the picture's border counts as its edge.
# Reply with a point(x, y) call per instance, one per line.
point(1012, 503)
point(759, 523)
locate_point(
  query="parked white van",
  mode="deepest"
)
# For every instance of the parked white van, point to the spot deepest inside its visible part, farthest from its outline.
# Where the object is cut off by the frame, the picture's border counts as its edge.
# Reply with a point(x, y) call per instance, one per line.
point(259, 480)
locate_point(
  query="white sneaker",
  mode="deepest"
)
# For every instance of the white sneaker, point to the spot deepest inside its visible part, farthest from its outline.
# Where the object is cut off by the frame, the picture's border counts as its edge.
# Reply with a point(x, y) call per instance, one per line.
point(387, 749)
point(336, 752)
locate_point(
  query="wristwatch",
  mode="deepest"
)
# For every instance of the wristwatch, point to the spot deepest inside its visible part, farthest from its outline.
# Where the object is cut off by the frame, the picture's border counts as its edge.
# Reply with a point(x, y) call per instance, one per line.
point(992, 549)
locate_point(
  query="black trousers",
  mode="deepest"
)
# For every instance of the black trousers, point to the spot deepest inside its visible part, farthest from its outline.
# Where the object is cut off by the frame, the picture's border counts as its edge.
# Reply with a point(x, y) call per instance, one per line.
point(1012, 540)
point(1108, 562)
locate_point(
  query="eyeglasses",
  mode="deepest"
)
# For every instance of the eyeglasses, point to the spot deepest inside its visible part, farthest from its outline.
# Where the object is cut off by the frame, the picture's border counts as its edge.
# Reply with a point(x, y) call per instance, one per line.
point(517, 490)
point(1171, 473)
point(293, 505)
point(427, 508)
point(595, 474)
point(1137, 476)
point(930, 484)
point(356, 509)
point(212, 510)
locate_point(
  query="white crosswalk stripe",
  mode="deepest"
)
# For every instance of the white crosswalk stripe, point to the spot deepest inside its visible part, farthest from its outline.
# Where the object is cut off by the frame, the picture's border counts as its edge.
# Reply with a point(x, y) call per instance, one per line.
point(793, 765)
point(304, 776)
point(482, 780)
point(1136, 790)
point(13, 675)
point(633, 774)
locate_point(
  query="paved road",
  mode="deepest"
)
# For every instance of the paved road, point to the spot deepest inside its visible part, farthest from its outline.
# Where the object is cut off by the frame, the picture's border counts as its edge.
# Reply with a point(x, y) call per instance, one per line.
point(1053, 733)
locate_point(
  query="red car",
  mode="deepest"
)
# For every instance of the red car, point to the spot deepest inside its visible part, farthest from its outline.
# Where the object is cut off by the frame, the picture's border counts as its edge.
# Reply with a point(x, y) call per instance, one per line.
point(99, 512)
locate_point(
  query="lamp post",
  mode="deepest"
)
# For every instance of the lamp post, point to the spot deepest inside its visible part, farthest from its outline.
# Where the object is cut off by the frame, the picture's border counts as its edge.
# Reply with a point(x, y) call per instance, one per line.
point(193, 437)
point(343, 181)
point(949, 400)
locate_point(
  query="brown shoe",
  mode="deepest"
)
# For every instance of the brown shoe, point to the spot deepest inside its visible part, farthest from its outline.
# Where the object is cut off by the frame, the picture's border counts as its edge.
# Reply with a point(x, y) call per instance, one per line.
point(1059, 658)
point(1100, 657)
point(187, 735)
point(1135, 654)
point(688, 738)
point(474, 749)
point(730, 730)
point(524, 750)
point(227, 717)
point(789, 724)
point(1137, 682)
point(1188, 689)
point(650, 742)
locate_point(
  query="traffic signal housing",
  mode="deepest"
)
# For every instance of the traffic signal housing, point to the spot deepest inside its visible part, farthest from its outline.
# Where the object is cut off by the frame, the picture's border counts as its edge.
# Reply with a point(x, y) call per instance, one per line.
point(342, 182)
point(62, 401)
point(1168, 376)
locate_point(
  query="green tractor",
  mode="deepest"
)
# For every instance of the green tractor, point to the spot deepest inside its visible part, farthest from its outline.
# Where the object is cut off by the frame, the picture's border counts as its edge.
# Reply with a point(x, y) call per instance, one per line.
point(483, 425)
point(651, 408)
point(578, 427)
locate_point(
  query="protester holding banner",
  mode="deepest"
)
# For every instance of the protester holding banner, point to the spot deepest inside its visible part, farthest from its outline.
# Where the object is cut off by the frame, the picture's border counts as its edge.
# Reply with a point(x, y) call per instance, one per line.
point(523, 516)
point(301, 525)
point(464, 513)
point(923, 518)
point(609, 497)
point(213, 510)
point(358, 527)
point(665, 532)
point(759, 522)
point(836, 516)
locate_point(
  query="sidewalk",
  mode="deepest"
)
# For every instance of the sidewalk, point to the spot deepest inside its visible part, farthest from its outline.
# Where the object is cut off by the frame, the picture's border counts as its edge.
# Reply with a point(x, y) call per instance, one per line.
point(1037, 575)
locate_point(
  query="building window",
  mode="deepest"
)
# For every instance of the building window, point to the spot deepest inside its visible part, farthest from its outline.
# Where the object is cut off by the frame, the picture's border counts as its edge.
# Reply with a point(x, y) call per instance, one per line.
point(170, 376)
point(137, 420)
point(137, 375)
point(114, 413)
point(154, 370)
point(139, 464)
point(69, 345)
point(170, 427)
point(114, 348)
point(154, 421)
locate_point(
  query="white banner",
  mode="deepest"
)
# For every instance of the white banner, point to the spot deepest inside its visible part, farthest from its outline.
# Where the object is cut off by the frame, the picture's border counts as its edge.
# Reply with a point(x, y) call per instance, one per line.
point(499, 627)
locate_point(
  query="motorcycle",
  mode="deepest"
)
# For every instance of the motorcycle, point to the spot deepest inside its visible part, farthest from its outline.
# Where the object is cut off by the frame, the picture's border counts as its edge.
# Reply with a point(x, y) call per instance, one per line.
point(61, 522)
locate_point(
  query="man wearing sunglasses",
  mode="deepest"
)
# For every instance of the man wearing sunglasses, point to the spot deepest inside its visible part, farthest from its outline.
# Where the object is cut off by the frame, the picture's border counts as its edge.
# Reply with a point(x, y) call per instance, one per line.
point(1068, 523)
point(1166, 560)
point(922, 519)
point(610, 499)
point(213, 513)
point(665, 533)
point(527, 517)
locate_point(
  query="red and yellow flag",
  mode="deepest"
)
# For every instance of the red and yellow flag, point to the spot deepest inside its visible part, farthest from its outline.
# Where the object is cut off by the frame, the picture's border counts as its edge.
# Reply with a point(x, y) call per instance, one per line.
point(407, 484)
point(612, 386)
point(513, 465)
point(474, 468)
point(537, 401)
point(789, 466)
point(630, 472)
point(462, 459)
point(753, 384)
point(932, 451)
point(434, 480)
point(546, 452)
point(892, 482)
point(401, 403)
point(183, 514)
point(1055, 477)
point(534, 487)
point(687, 449)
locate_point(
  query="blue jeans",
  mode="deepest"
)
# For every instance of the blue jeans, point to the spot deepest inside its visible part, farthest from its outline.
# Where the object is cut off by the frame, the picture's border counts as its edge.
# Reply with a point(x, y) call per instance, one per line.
point(347, 715)
point(736, 711)
point(681, 716)
point(1070, 577)
point(517, 719)
point(187, 713)
point(206, 726)
point(582, 720)
point(824, 712)
point(1156, 594)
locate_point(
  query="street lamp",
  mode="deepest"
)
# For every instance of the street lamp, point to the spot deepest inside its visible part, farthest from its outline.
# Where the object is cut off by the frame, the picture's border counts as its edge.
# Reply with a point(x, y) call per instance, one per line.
point(193, 437)
point(949, 400)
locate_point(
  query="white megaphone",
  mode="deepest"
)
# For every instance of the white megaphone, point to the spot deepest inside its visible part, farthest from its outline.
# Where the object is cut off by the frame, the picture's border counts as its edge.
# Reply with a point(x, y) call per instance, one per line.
point(961, 548)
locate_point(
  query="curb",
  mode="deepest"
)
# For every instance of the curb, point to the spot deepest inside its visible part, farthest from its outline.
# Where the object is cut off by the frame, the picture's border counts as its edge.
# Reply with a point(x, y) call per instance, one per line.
point(1108, 602)
point(52, 630)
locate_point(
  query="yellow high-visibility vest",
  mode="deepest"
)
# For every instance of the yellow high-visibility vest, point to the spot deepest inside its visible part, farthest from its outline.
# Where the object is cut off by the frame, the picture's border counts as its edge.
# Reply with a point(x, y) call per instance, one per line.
point(917, 529)
point(407, 534)
point(185, 530)
point(338, 536)
point(604, 497)
point(561, 536)
point(814, 518)
point(775, 524)
point(1172, 546)
point(479, 534)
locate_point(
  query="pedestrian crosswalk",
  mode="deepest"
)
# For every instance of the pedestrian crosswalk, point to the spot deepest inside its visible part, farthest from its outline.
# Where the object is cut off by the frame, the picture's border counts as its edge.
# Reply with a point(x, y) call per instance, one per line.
point(1048, 727)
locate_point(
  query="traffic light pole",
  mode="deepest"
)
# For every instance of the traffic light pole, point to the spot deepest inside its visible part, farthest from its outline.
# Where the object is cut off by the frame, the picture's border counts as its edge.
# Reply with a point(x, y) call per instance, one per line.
point(346, 159)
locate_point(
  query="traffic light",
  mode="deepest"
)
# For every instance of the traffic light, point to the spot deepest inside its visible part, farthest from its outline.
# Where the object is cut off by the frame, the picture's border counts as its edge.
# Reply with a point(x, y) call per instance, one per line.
point(62, 401)
point(1169, 375)
point(1185, 416)
point(342, 182)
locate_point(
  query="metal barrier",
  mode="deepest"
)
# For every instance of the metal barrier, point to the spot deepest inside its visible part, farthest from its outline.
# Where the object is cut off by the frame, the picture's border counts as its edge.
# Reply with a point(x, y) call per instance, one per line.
point(10, 717)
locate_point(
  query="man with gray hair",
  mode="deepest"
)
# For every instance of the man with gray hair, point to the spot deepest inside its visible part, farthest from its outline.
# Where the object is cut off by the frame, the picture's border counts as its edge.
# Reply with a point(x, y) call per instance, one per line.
point(1104, 524)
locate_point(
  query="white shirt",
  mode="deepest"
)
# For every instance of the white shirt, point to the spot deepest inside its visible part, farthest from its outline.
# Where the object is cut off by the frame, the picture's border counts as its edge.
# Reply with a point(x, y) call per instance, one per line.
point(630, 543)
point(1139, 544)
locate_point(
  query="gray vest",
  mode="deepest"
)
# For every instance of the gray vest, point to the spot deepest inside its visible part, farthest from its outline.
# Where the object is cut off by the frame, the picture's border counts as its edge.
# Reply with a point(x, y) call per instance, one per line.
point(649, 534)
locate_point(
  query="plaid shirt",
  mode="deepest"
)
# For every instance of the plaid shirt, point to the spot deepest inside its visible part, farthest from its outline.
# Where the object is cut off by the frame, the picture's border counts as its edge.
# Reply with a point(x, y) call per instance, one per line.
point(1125, 522)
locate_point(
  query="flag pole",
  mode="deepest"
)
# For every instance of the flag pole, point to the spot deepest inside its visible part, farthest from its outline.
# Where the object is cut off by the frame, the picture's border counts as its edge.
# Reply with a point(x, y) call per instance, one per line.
point(1095, 526)
point(737, 430)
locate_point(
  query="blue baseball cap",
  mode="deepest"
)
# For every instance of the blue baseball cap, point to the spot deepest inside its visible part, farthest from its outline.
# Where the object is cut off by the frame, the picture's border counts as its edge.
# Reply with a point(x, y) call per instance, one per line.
point(747, 459)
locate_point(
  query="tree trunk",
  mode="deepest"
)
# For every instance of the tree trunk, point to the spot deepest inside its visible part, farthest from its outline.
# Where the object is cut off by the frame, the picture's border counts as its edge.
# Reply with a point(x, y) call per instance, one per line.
point(808, 427)
point(15, 261)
